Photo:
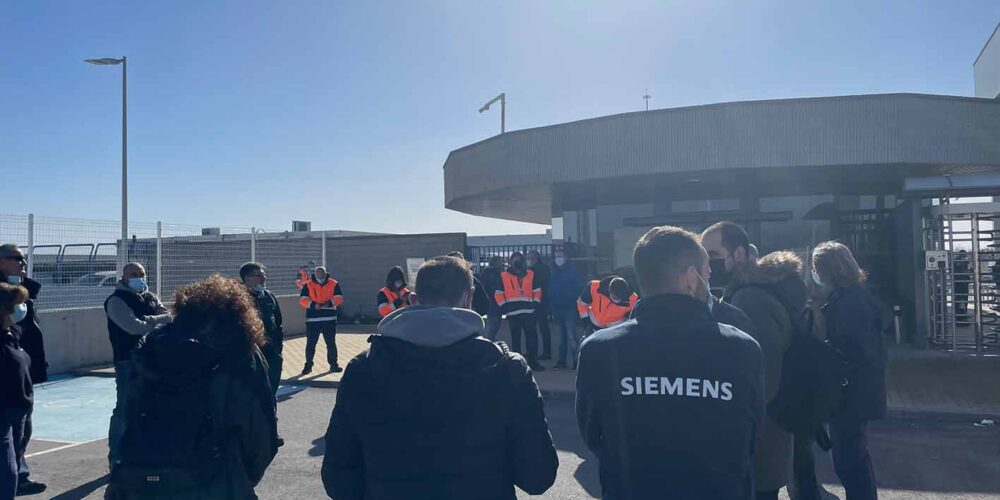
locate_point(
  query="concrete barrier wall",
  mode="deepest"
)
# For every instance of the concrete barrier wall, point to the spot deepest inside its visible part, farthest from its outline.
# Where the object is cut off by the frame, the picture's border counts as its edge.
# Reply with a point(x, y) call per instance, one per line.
point(77, 338)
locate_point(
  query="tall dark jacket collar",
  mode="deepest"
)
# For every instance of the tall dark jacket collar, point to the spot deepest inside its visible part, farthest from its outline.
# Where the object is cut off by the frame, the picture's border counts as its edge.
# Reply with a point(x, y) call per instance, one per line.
point(671, 308)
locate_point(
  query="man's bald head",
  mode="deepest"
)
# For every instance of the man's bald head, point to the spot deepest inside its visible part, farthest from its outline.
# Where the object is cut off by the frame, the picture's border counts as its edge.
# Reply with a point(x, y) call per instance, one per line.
point(133, 270)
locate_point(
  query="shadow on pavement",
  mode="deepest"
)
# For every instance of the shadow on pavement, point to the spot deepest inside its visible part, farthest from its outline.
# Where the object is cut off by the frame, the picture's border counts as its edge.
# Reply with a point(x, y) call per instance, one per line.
point(81, 492)
point(566, 436)
point(318, 447)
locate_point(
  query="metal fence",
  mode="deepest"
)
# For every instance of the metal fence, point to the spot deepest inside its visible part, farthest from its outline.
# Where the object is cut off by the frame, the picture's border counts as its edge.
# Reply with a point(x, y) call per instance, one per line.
point(76, 260)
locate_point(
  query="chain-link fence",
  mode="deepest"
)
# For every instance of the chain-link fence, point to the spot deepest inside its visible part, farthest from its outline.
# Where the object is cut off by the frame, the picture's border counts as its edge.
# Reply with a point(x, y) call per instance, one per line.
point(77, 261)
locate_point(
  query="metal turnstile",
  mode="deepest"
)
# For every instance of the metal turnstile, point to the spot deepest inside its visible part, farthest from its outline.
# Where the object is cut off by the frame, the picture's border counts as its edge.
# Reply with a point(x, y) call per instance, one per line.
point(961, 250)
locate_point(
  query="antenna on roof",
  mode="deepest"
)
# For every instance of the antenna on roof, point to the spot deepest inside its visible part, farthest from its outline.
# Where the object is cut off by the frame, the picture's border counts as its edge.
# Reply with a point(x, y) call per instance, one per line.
point(647, 97)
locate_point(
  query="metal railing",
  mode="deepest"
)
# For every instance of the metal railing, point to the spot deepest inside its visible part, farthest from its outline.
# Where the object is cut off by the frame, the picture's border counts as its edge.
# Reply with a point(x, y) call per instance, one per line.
point(76, 260)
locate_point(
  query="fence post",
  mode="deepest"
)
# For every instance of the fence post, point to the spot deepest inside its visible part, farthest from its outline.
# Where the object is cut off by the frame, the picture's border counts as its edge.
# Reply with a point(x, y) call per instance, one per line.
point(159, 259)
point(253, 244)
point(31, 245)
point(322, 237)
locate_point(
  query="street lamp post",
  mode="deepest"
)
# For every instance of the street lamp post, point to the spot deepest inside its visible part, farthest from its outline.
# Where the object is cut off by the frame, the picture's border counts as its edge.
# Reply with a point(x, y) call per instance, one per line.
point(503, 109)
point(110, 61)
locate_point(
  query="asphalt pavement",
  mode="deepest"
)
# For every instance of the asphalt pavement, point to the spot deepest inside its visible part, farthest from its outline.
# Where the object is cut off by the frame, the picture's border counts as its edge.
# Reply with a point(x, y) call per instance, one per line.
point(920, 457)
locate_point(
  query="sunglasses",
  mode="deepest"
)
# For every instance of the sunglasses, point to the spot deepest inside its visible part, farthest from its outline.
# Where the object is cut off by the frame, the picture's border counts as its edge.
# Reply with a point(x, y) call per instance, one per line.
point(18, 258)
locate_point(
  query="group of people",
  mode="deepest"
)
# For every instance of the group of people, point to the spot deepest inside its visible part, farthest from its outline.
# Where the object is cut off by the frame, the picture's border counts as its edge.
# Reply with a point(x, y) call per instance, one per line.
point(681, 394)
point(530, 294)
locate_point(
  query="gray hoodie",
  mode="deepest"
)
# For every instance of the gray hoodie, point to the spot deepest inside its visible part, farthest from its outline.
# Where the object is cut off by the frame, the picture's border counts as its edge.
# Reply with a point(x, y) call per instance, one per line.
point(431, 326)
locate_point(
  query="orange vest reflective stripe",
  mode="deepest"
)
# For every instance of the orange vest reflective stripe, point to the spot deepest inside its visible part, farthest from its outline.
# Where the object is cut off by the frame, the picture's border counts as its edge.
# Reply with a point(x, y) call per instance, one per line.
point(517, 289)
point(604, 312)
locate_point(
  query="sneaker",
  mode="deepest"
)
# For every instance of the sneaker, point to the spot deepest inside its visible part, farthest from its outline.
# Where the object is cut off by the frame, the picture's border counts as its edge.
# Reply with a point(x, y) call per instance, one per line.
point(306, 370)
point(560, 365)
point(336, 369)
point(29, 487)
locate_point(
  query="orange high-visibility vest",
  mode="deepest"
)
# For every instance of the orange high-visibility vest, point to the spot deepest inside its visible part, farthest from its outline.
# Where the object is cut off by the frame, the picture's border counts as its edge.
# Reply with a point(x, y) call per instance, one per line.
point(604, 313)
point(386, 308)
point(519, 294)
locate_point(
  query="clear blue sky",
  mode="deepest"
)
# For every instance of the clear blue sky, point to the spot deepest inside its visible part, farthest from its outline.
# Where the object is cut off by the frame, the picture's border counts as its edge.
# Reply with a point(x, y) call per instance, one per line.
point(259, 112)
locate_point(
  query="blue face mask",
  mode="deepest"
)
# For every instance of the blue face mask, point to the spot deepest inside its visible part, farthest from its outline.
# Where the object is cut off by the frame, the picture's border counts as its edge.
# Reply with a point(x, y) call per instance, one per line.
point(816, 279)
point(20, 312)
point(259, 288)
point(138, 285)
point(15, 280)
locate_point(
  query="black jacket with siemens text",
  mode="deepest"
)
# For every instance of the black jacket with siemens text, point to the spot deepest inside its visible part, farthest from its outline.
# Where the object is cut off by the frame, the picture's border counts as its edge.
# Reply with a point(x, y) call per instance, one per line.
point(433, 411)
point(669, 401)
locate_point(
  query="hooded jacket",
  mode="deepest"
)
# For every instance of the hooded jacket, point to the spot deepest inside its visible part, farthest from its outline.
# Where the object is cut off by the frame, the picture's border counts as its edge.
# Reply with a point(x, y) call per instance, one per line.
point(433, 411)
point(241, 399)
point(388, 299)
point(767, 291)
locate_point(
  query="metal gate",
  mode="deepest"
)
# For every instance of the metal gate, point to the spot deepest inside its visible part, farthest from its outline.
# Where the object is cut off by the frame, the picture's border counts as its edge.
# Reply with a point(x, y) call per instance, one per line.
point(961, 273)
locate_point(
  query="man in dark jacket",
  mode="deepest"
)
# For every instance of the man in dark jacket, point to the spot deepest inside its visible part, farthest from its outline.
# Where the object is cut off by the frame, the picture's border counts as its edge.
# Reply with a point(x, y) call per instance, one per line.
point(767, 290)
point(669, 401)
point(132, 311)
point(14, 271)
point(433, 411)
point(254, 276)
point(543, 275)
point(564, 288)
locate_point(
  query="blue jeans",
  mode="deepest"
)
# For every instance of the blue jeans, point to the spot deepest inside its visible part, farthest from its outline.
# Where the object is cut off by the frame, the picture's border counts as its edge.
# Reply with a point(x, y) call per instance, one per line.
point(123, 377)
point(566, 319)
point(493, 321)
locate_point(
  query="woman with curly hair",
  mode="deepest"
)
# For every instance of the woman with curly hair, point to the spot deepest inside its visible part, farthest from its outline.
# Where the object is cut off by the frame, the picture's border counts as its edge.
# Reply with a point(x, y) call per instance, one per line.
point(200, 420)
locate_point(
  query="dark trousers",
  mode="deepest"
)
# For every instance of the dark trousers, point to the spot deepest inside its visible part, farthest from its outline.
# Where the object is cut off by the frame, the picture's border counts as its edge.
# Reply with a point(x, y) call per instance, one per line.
point(544, 330)
point(15, 427)
point(524, 325)
point(804, 469)
point(851, 460)
point(123, 377)
point(329, 331)
point(493, 321)
point(272, 355)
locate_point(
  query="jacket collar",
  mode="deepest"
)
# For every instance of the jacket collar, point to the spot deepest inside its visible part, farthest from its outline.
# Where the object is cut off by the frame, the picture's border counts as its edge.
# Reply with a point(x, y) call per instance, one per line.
point(671, 308)
point(431, 326)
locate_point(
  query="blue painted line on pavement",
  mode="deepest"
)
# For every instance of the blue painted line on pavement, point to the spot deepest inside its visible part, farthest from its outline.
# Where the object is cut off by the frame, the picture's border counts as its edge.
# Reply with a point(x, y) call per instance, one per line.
point(73, 410)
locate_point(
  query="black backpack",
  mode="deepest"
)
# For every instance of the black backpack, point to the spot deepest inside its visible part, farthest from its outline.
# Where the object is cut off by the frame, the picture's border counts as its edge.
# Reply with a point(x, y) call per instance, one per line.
point(172, 443)
point(813, 376)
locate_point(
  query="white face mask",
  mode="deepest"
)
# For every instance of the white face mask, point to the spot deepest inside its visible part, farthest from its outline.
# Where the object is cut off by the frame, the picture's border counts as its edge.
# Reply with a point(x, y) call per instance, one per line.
point(560, 261)
point(15, 280)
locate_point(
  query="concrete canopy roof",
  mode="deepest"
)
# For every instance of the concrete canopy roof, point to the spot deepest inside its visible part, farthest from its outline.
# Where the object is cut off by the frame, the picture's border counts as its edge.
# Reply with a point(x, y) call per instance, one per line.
point(755, 148)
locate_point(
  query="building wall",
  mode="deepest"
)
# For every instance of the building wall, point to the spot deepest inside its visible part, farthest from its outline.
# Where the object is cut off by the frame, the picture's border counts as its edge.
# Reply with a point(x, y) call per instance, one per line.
point(986, 69)
point(361, 263)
